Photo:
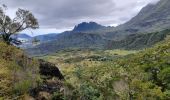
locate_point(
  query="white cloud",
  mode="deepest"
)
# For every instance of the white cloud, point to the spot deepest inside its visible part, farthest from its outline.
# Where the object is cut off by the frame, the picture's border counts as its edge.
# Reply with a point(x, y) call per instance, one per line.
point(63, 14)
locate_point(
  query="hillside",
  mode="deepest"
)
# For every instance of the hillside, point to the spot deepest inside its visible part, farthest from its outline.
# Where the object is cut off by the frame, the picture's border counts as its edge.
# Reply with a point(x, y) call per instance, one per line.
point(68, 41)
point(152, 19)
point(89, 62)
point(89, 74)
point(22, 77)
point(119, 75)
point(46, 37)
point(139, 41)
point(15, 69)
point(97, 41)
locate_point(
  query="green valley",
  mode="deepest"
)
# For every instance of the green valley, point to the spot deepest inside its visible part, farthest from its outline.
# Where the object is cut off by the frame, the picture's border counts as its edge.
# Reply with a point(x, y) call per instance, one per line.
point(123, 55)
point(118, 74)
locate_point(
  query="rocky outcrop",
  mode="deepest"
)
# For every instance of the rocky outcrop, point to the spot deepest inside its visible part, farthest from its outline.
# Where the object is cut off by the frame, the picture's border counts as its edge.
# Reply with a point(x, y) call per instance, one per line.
point(50, 70)
point(52, 82)
point(85, 27)
point(47, 90)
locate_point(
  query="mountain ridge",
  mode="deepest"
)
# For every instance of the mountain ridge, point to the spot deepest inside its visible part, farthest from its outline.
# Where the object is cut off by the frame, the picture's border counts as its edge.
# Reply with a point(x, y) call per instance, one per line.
point(87, 26)
point(152, 18)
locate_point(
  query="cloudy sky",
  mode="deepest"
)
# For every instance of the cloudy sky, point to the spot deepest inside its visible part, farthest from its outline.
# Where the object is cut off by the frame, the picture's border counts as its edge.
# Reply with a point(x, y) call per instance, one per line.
point(59, 15)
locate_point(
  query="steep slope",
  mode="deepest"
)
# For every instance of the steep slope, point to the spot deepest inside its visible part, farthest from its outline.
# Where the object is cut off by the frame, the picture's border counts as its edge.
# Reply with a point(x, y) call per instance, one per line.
point(22, 77)
point(131, 35)
point(153, 17)
point(139, 41)
point(18, 73)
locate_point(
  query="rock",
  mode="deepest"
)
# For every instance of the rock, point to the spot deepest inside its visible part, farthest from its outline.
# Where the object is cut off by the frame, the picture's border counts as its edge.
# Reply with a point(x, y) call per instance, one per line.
point(44, 96)
point(49, 69)
point(53, 81)
point(47, 90)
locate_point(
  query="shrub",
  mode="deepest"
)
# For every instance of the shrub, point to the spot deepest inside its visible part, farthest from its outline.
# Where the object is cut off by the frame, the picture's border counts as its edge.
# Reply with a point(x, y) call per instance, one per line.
point(18, 73)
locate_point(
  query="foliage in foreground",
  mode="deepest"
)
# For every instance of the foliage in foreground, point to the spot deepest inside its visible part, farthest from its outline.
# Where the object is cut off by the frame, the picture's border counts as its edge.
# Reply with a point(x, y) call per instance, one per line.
point(94, 75)
point(139, 76)
point(18, 74)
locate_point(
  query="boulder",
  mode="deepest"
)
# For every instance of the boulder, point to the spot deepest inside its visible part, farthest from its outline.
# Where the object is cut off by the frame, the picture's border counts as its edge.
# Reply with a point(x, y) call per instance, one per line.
point(50, 84)
point(49, 69)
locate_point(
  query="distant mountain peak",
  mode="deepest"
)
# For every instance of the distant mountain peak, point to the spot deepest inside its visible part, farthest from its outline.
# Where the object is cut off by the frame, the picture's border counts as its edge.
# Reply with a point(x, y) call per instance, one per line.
point(87, 26)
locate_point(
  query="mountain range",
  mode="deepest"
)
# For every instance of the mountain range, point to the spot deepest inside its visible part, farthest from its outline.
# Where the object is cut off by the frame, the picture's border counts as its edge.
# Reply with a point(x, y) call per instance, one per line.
point(151, 24)
point(153, 17)
point(23, 35)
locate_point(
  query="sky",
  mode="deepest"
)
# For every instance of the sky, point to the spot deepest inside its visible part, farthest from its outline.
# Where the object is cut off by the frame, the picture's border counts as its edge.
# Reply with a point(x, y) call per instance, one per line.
point(55, 16)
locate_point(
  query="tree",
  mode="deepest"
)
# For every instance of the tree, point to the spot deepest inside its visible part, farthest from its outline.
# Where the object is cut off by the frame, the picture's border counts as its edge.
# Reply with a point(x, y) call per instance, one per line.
point(24, 20)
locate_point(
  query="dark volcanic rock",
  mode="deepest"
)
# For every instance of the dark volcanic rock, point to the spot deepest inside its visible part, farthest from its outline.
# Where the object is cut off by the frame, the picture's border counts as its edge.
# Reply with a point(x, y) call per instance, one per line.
point(47, 89)
point(49, 69)
point(50, 85)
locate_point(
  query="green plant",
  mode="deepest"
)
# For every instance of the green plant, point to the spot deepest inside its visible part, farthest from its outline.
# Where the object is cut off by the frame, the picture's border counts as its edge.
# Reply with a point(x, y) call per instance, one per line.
point(58, 96)
point(22, 87)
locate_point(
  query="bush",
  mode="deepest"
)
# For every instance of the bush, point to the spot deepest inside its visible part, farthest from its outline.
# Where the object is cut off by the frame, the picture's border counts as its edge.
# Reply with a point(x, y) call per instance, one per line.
point(22, 87)
point(18, 73)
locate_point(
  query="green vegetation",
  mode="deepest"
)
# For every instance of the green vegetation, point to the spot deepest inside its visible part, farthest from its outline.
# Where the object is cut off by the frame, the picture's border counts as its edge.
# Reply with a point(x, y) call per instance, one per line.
point(91, 71)
point(139, 41)
point(93, 41)
point(18, 73)
point(116, 74)
point(68, 59)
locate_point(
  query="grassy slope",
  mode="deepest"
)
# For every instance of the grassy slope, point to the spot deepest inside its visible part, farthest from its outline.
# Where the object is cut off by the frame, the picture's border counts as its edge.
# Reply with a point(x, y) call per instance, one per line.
point(18, 73)
point(98, 75)
point(68, 59)
point(75, 63)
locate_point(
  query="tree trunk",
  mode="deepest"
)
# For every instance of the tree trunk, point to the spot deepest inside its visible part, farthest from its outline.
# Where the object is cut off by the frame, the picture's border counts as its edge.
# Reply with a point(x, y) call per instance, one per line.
point(6, 38)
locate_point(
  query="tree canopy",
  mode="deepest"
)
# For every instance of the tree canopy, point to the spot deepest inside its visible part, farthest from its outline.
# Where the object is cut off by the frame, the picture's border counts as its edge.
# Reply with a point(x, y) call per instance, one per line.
point(24, 19)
